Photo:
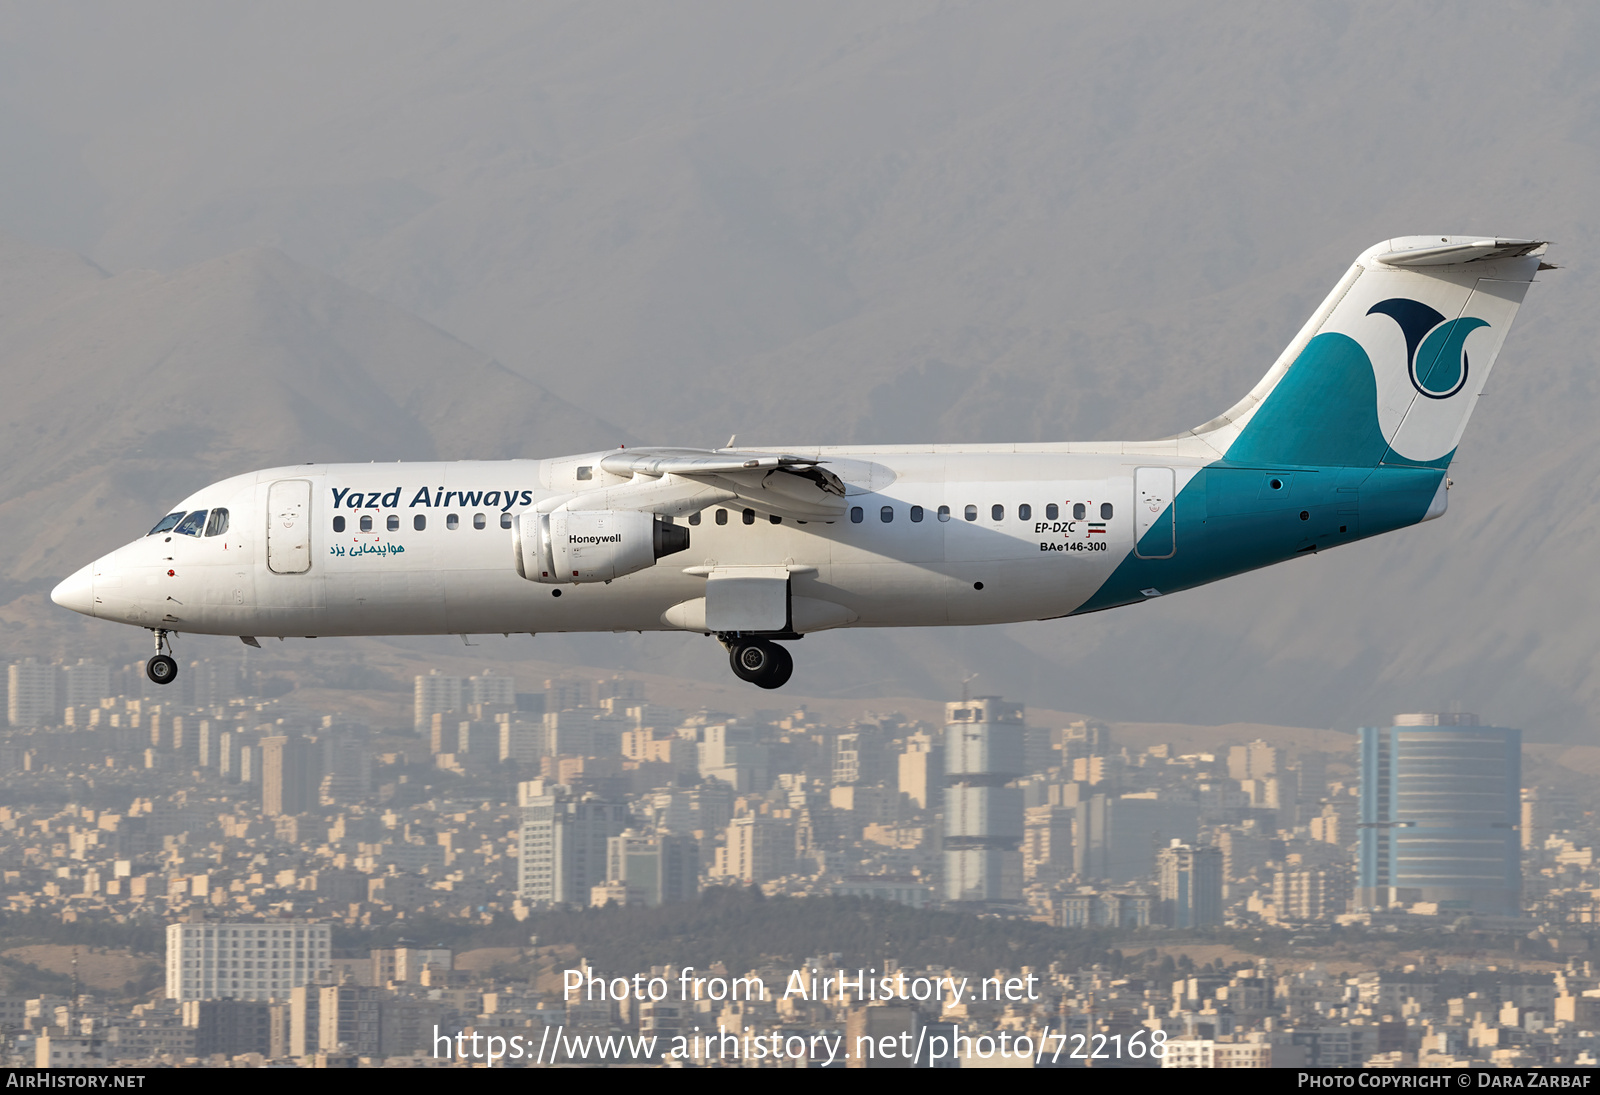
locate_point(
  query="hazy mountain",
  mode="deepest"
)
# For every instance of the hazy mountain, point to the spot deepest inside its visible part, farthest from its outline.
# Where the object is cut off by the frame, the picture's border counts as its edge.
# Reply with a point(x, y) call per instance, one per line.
point(842, 222)
point(125, 393)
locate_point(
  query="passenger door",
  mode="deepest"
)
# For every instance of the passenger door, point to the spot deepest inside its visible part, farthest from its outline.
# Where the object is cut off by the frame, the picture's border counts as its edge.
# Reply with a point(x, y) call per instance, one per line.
point(289, 526)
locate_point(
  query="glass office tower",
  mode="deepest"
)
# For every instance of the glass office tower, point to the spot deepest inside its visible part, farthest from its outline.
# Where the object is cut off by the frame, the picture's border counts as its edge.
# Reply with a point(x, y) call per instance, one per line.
point(1440, 806)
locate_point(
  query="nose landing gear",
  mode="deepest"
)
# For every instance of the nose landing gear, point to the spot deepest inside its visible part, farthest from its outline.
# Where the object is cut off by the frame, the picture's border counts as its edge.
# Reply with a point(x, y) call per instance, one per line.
point(762, 663)
point(162, 668)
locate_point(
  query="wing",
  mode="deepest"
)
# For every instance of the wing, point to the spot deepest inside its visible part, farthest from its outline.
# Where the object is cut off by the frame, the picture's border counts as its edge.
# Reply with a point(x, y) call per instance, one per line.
point(785, 486)
point(675, 482)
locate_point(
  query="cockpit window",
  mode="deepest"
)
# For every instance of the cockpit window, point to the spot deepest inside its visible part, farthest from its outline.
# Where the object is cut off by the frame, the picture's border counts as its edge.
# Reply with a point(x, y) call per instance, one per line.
point(166, 523)
point(218, 523)
point(192, 524)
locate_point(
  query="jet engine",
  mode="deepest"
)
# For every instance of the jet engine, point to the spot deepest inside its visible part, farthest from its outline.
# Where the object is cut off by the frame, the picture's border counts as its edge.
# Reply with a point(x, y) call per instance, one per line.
point(571, 546)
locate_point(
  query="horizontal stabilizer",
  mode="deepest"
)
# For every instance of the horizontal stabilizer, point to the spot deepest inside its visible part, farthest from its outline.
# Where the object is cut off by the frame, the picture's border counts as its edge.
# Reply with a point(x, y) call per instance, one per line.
point(1451, 254)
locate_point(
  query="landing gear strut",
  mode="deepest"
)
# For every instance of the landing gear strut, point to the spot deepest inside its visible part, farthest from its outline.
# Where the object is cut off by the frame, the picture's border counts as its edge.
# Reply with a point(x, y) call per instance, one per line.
point(762, 663)
point(162, 668)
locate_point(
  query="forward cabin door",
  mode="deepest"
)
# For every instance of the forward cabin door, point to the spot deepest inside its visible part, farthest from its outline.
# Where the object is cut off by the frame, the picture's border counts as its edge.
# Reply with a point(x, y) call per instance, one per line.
point(289, 526)
point(1153, 533)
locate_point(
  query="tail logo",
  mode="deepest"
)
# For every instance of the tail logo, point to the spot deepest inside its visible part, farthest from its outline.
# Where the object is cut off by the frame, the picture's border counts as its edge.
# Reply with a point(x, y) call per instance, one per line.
point(1436, 355)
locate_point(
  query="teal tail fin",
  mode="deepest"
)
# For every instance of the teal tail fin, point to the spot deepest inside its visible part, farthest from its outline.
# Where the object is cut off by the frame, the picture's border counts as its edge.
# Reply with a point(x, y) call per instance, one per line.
point(1389, 368)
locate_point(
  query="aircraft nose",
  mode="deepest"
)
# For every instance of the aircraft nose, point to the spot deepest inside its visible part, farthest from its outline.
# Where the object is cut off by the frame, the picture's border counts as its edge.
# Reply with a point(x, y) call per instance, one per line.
point(76, 592)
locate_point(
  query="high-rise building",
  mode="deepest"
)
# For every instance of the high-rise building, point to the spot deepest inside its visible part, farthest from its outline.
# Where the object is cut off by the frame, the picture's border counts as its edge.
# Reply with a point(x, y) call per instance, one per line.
point(562, 846)
point(431, 695)
point(1190, 881)
point(564, 693)
point(1311, 893)
point(207, 683)
point(1047, 843)
point(492, 687)
point(983, 750)
point(663, 867)
point(734, 753)
point(346, 765)
point(288, 775)
point(1311, 785)
point(213, 960)
point(1547, 810)
point(1258, 760)
point(32, 700)
point(921, 769)
point(1440, 807)
point(756, 848)
point(87, 682)
point(1115, 838)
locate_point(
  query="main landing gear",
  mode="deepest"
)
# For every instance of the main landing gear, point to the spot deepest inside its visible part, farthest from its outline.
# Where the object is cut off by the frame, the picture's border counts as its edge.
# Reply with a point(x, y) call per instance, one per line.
point(761, 662)
point(163, 668)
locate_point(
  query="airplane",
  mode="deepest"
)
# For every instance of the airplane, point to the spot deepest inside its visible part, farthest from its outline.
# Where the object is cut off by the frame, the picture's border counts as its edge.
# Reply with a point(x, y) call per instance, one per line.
point(1350, 434)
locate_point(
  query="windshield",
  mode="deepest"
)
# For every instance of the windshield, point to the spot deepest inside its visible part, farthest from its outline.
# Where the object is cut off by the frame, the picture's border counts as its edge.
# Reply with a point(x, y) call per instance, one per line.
point(166, 523)
point(192, 524)
point(218, 523)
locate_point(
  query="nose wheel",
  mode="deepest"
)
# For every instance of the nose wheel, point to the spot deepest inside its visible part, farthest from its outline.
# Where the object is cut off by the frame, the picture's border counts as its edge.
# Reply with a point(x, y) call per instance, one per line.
point(163, 667)
point(762, 663)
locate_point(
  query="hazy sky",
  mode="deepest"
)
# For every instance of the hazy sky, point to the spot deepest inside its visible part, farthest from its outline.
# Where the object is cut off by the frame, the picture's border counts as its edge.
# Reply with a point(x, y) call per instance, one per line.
point(841, 223)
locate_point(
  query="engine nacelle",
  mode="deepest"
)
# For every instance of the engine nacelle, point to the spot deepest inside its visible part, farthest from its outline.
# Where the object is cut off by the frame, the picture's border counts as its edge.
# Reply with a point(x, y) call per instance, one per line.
point(571, 546)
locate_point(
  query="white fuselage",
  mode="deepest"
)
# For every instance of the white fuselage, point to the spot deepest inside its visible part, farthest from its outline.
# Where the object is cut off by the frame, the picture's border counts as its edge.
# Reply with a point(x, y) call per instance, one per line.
point(453, 577)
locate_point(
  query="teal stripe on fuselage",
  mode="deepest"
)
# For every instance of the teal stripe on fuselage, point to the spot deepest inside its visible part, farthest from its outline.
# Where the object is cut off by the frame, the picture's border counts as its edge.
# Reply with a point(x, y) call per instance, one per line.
point(1230, 519)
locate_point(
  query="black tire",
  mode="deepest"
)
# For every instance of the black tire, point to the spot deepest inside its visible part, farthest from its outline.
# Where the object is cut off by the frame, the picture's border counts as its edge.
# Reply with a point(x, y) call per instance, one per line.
point(752, 661)
point(763, 664)
point(161, 669)
point(782, 669)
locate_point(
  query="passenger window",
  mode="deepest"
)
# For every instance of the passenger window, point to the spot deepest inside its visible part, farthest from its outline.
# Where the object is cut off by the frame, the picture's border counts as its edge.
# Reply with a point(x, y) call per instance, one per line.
point(479, 521)
point(1079, 511)
point(1105, 511)
point(1024, 512)
point(749, 516)
point(997, 512)
point(722, 517)
point(505, 519)
point(694, 518)
point(944, 513)
point(916, 515)
point(366, 522)
point(971, 513)
point(166, 523)
point(1052, 511)
point(338, 524)
point(419, 522)
point(856, 514)
point(218, 523)
point(452, 521)
point(886, 514)
point(586, 472)
point(394, 522)
point(775, 519)
point(193, 524)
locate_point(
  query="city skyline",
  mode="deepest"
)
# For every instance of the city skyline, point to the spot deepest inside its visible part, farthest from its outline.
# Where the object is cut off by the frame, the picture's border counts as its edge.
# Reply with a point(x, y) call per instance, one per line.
point(574, 792)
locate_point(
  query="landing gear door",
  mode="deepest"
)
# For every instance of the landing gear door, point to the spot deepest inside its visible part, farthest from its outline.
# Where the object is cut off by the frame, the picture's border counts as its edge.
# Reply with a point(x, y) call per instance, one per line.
point(289, 526)
point(1153, 534)
point(747, 599)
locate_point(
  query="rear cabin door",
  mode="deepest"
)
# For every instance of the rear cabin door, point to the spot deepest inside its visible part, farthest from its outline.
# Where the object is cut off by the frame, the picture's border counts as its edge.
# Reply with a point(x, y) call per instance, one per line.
point(289, 526)
point(1153, 535)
